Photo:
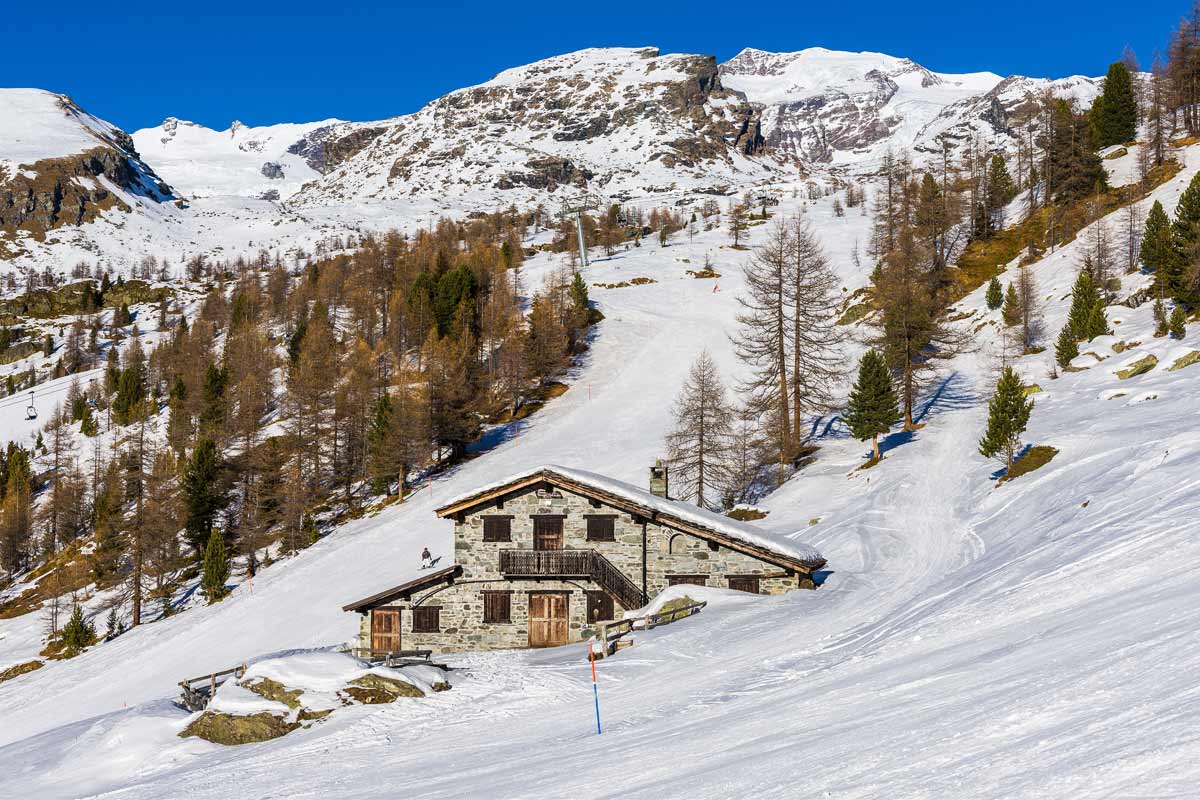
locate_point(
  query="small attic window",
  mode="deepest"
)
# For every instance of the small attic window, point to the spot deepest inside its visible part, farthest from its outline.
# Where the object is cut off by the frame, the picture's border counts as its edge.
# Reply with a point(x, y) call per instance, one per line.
point(549, 493)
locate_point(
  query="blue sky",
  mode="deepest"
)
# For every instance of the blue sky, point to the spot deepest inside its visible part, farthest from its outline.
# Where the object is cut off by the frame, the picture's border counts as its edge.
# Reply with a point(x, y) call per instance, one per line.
point(135, 63)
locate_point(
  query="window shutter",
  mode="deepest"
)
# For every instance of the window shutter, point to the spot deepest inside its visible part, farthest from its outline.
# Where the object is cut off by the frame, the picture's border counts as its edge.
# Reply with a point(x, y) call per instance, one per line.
point(497, 606)
point(497, 529)
point(601, 529)
point(427, 619)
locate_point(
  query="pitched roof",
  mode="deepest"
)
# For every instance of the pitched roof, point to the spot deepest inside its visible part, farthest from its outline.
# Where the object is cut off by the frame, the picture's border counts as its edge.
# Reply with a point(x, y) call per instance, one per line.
point(701, 522)
point(406, 590)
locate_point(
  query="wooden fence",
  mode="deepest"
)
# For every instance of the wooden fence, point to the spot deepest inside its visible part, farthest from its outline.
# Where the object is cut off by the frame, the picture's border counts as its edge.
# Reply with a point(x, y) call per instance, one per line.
point(197, 692)
point(611, 632)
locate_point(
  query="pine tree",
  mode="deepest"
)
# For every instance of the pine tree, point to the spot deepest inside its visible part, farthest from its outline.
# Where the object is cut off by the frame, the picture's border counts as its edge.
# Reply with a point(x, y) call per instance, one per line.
point(1118, 114)
point(1085, 300)
point(216, 567)
point(379, 444)
point(202, 496)
point(1097, 323)
point(1012, 307)
point(1177, 327)
point(1161, 326)
point(1156, 252)
point(78, 633)
point(1066, 348)
point(1185, 237)
point(1008, 415)
point(873, 407)
point(995, 294)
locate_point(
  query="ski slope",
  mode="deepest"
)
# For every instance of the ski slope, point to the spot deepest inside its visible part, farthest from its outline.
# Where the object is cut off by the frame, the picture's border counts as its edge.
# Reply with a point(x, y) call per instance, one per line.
point(1035, 639)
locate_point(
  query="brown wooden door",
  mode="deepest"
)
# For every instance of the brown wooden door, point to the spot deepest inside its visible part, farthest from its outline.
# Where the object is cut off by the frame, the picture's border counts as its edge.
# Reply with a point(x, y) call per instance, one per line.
point(547, 620)
point(547, 533)
point(385, 629)
point(599, 607)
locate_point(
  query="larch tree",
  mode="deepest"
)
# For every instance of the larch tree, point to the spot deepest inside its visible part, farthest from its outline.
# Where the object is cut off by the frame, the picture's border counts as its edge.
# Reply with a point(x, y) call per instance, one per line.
point(698, 444)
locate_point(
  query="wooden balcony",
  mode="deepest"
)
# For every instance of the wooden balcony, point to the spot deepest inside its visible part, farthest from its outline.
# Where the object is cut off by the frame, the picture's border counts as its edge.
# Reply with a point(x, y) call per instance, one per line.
point(578, 564)
point(546, 563)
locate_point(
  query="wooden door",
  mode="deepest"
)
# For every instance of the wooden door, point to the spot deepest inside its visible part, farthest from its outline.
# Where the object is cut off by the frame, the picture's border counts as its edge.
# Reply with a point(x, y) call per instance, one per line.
point(547, 619)
point(385, 629)
point(599, 607)
point(547, 533)
point(691, 580)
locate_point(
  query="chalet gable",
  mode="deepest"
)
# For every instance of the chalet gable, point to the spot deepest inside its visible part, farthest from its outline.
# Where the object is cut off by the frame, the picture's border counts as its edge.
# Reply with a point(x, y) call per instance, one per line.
point(644, 507)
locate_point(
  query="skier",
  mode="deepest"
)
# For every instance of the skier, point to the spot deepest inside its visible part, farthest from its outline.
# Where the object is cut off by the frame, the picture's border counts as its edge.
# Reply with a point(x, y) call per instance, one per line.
point(426, 559)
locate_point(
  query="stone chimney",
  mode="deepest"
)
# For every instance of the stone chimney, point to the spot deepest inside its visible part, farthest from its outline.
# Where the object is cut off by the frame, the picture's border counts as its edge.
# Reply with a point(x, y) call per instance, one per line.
point(659, 474)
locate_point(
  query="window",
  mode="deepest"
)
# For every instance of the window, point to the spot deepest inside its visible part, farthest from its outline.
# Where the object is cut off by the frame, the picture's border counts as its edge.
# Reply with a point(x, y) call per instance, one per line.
point(601, 528)
point(497, 529)
point(427, 619)
point(744, 583)
point(691, 580)
point(497, 606)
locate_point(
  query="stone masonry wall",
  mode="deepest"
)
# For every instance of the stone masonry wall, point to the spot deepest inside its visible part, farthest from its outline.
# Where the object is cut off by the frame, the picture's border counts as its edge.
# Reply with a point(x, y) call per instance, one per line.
point(668, 552)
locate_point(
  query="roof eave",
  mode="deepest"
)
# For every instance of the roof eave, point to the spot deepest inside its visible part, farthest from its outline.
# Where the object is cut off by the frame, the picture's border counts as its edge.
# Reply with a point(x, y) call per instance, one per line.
point(629, 506)
point(446, 575)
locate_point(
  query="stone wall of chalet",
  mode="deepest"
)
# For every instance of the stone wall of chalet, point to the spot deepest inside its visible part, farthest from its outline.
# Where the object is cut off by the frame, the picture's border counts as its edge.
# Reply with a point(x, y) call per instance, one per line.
point(668, 553)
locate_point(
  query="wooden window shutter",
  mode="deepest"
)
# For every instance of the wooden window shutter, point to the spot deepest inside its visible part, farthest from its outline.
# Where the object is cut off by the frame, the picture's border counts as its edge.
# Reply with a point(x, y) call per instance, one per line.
point(427, 619)
point(601, 529)
point(497, 606)
point(744, 583)
point(497, 529)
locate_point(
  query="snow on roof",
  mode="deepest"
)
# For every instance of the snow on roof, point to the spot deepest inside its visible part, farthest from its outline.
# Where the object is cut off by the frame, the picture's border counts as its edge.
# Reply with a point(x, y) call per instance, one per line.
point(702, 517)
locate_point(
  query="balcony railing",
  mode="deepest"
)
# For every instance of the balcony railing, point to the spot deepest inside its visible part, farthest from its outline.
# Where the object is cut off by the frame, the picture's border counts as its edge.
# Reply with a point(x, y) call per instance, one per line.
point(539, 563)
point(572, 564)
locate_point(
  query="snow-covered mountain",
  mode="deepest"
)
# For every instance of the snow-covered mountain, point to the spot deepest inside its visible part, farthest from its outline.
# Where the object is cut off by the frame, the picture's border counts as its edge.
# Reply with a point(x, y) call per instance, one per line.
point(620, 123)
point(61, 166)
point(270, 161)
point(830, 107)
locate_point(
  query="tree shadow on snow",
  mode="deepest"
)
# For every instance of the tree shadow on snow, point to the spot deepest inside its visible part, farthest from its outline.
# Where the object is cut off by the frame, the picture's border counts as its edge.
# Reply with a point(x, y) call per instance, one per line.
point(951, 394)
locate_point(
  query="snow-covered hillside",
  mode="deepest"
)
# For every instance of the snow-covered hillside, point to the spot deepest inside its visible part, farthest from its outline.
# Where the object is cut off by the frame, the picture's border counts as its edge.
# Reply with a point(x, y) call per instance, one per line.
point(1032, 639)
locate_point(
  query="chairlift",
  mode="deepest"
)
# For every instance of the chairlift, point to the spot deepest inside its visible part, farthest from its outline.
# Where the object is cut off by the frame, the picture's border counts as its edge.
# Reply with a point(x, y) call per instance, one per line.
point(31, 411)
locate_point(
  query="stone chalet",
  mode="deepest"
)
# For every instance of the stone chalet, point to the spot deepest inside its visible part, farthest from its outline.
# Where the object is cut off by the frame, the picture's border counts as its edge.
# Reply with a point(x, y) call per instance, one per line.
point(541, 556)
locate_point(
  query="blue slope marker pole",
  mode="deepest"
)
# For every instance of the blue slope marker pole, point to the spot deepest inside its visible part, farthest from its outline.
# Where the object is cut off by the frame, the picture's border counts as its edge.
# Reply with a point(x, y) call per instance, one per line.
point(595, 690)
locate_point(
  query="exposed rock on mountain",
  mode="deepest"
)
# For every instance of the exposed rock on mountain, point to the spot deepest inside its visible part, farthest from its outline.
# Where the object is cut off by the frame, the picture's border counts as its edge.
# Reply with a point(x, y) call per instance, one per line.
point(822, 106)
point(618, 121)
point(61, 166)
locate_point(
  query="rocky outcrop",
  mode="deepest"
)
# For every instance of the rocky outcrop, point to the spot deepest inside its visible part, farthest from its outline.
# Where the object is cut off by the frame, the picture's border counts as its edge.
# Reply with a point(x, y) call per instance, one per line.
point(326, 148)
point(624, 121)
point(63, 191)
point(546, 173)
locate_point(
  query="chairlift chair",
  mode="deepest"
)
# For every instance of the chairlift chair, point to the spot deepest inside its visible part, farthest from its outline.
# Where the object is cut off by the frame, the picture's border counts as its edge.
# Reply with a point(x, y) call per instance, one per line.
point(31, 411)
